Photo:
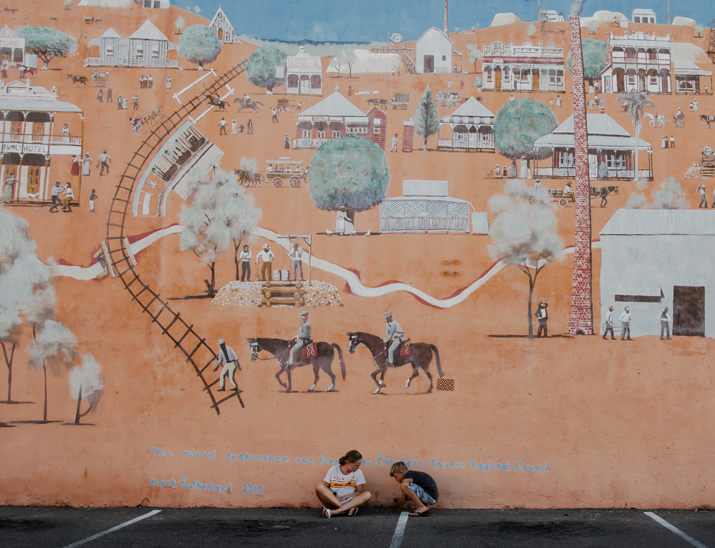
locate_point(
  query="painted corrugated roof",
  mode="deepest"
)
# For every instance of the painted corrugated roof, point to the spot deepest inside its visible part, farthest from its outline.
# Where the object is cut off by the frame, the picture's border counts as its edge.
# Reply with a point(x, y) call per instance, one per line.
point(438, 30)
point(656, 222)
point(148, 31)
point(36, 105)
point(110, 33)
point(615, 142)
point(472, 107)
point(334, 105)
point(598, 124)
point(7, 33)
point(688, 67)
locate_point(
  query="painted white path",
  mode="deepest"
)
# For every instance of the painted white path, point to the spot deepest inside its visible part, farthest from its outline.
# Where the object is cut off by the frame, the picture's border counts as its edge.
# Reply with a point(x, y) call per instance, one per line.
point(354, 283)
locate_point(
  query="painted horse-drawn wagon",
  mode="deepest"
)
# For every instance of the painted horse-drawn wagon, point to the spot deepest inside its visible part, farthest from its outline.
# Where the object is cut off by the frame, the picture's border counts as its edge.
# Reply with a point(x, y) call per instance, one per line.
point(292, 170)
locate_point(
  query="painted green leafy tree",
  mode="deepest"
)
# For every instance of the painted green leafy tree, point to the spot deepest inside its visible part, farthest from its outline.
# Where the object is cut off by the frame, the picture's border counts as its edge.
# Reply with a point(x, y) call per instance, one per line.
point(426, 117)
point(351, 173)
point(261, 68)
point(519, 124)
point(594, 58)
point(199, 45)
point(47, 43)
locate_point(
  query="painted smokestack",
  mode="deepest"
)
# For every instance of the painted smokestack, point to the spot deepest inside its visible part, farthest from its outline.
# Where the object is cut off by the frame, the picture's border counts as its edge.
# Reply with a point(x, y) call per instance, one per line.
point(581, 318)
point(446, 19)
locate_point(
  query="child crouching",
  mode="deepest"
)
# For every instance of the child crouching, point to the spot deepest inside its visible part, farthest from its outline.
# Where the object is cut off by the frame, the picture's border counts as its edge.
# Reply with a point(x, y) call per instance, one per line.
point(418, 487)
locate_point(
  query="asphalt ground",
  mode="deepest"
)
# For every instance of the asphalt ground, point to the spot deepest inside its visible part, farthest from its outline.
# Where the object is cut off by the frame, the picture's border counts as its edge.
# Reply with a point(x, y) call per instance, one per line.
point(50, 527)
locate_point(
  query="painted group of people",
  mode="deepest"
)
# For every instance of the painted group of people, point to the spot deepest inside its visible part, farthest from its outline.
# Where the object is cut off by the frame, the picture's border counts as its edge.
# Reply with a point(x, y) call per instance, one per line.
point(667, 142)
point(266, 257)
point(146, 81)
point(703, 192)
point(626, 322)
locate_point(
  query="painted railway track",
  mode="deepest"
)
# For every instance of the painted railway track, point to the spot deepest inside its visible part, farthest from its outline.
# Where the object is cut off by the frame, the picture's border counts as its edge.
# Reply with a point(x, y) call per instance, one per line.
point(194, 347)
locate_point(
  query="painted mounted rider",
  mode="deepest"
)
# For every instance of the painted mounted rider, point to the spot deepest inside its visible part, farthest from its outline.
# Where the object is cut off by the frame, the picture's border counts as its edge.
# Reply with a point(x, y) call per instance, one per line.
point(302, 340)
point(394, 337)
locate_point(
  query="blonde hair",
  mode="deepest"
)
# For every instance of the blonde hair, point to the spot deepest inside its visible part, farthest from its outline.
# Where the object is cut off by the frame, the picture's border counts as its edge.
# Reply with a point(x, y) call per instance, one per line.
point(398, 467)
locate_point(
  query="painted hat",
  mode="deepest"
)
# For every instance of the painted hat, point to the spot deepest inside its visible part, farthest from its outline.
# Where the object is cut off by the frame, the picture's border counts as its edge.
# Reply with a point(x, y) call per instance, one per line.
point(610, 307)
point(387, 314)
point(266, 246)
point(221, 341)
point(546, 305)
point(304, 314)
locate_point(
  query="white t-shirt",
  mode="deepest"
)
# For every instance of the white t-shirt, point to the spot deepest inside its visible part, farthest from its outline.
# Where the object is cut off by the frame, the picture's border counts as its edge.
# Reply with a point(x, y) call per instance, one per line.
point(343, 484)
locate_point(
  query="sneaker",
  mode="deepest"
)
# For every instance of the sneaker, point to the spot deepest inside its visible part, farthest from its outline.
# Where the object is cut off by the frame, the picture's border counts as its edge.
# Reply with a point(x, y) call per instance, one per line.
point(326, 512)
point(353, 511)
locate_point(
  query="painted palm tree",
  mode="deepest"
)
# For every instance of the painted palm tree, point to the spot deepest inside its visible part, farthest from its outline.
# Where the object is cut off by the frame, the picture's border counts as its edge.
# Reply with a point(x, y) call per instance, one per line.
point(636, 103)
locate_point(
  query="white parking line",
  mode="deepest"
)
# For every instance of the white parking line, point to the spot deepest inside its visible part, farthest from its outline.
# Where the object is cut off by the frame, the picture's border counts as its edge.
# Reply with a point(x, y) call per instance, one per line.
point(675, 530)
point(399, 530)
point(89, 539)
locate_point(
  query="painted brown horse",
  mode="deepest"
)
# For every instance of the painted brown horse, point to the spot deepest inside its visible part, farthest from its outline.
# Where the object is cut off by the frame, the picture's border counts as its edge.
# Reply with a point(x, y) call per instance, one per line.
point(420, 357)
point(280, 348)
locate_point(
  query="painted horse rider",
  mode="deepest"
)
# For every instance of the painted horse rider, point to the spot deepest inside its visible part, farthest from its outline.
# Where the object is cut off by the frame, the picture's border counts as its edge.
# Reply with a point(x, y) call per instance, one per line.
point(302, 340)
point(394, 336)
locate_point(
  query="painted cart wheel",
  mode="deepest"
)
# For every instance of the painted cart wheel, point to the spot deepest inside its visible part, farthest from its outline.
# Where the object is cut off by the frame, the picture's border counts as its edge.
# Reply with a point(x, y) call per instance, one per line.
point(563, 202)
point(277, 182)
point(100, 81)
point(294, 182)
point(679, 122)
point(404, 107)
point(141, 130)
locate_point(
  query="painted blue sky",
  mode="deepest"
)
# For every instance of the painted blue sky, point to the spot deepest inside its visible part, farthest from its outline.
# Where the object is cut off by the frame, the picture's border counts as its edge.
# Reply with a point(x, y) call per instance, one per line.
point(366, 20)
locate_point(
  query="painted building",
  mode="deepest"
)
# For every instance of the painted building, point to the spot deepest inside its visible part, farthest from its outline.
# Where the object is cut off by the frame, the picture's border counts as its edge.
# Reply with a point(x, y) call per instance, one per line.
point(691, 79)
point(223, 29)
point(34, 144)
point(158, 4)
point(551, 16)
point(147, 47)
point(336, 117)
point(425, 206)
point(611, 151)
point(523, 68)
point(304, 74)
point(637, 61)
point(651, 259)
point(640, 15)
point(472, 128)
point(434, 53)
point(12, 48)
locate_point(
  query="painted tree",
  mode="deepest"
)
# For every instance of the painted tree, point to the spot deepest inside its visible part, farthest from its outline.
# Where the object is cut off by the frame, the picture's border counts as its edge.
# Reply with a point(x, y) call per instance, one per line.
point(199, 45)
point(426, 118)
point(531, 30)
point(86, 383)
point(26, 295)
point(478, 82)
point(54, 346)
point(519, 124)
point(594, 59)
point(698, 29)
point(179, 24)
point(524, 232)
point(636, 103)
point(349, 173)
point(47, 43)
point(475, 54)
point(67, 4)
point(262, 64)
point(346, 58)
point(593, 25)
point(220, 212)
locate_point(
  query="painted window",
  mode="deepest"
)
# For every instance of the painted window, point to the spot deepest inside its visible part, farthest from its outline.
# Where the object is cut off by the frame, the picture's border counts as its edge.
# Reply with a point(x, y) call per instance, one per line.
point(377, 125)
point(320, 134)
point(336, 134)
point(306, 134)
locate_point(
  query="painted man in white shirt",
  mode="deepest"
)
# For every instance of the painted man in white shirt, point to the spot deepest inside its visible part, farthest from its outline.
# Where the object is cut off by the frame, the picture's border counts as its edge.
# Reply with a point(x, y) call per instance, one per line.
point(267, 257)
point(226, 357)
point(296, 255)
point(394, 335)
point(664, 320)
point(302, 339)
point(626, 324)
point(609, 324)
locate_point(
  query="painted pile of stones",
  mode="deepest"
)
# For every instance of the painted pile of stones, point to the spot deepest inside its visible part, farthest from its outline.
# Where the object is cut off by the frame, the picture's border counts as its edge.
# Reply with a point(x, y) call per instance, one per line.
point(249, 294)
point(694, 172)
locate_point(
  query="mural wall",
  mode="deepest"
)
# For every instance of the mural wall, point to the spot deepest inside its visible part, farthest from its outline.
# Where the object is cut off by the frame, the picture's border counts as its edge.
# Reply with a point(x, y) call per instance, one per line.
point(227, 261)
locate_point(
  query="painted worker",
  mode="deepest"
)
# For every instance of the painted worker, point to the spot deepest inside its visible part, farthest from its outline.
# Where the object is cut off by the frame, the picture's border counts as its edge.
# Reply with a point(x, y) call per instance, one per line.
point(103, 162)
point(245, 258)
point(226, 357)
point(537, 184)
point(267, 257)
point(296, 256)
point(301, 340)
point(56, 202)
point(394, 336)
point(543, 316)
point(394, 142)
point(568, 191)
point(626, 324)
point(664, 320)
point(703, 191)
point(609, 324)
point(67, 200)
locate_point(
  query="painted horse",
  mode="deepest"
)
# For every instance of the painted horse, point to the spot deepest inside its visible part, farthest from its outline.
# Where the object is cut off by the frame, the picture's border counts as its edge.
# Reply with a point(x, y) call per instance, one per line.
point(249, 104)
point(707, 119)
point(280, 348)
point(603, 192)
point(418, 354)
point(82, 80)
point(217, 102)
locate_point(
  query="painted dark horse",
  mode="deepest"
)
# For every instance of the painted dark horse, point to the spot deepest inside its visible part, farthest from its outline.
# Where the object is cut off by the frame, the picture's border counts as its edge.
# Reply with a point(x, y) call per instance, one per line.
point(420, 357)
point(281, 350)
point(707, 119)
point(217, 102)
point(603, 192)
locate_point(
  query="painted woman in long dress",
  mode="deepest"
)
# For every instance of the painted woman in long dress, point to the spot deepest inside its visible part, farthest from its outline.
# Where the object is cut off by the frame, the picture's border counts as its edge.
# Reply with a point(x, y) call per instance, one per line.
point(76, 161)
point(8, 190)
point(86, 163)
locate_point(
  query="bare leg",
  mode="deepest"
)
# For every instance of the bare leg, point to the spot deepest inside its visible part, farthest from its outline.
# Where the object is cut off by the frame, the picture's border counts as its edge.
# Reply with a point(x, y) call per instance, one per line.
point(411, 495)
point(326, 496)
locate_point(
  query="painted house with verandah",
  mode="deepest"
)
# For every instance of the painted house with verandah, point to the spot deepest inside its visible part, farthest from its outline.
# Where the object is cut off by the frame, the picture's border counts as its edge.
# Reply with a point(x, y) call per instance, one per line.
point(40, 135)
point(611, 151)
point(147, 47)
point(335, 117)
point(472, 129)
point(523, 68)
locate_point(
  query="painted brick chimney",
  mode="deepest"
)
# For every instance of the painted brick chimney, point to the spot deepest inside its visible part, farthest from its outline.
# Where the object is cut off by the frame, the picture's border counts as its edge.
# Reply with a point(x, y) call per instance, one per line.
point(446, 19)
point(581, 318)
point(609, 57)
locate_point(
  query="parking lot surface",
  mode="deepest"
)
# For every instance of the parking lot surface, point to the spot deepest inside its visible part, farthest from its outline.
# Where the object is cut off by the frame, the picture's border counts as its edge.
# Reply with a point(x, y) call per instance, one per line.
point(372, 527)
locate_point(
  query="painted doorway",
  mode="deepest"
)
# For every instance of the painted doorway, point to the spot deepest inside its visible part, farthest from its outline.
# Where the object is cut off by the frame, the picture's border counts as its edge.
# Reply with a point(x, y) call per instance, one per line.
point(689, 311)
point(429, 64)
